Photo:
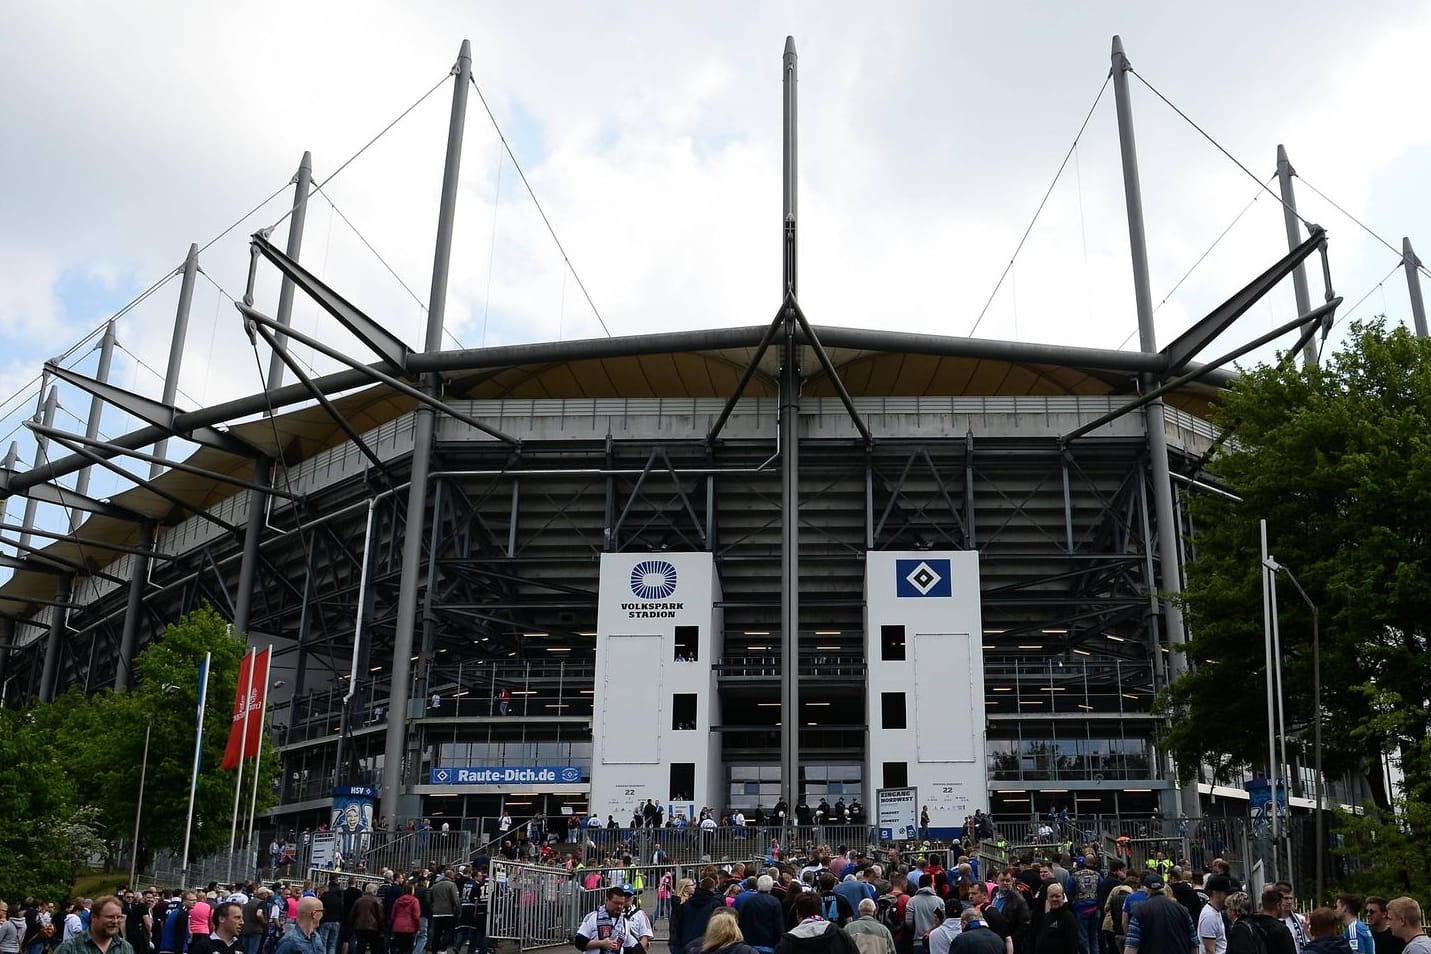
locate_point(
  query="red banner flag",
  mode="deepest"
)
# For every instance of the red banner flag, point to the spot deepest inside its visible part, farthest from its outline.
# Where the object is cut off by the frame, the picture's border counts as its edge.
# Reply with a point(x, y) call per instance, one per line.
point(249, 699)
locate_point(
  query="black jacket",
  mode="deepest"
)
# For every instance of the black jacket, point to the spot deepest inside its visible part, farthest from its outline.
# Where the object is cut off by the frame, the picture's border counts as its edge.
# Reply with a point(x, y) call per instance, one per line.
point(762, 920)
point(696, 914)
point(816, 937)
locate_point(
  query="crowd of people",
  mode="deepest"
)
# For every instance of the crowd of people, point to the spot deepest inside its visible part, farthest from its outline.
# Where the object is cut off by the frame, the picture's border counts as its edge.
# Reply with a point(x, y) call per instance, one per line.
point(844, 902)
point(438, 910)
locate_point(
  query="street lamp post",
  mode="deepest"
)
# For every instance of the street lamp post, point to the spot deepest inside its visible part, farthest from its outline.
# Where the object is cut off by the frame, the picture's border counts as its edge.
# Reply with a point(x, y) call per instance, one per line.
point(1276, 567)
point(139, 807)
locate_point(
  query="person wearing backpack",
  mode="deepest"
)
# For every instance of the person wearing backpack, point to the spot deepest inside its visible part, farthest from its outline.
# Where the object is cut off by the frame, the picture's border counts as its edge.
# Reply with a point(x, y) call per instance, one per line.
point(834, 907)
point(1243, 936)
point(889, 911)
point(1275, 935)
point(1113, 916)
point(921, 915)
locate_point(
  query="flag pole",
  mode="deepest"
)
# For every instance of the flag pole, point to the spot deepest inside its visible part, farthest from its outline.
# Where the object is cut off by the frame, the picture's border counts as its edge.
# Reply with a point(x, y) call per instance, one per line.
point(258, 753)
point(238, 779)
point(198, 753)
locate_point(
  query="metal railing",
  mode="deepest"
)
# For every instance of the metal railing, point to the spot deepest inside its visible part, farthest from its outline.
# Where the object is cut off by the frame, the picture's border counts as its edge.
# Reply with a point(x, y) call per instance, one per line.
point(538, 906)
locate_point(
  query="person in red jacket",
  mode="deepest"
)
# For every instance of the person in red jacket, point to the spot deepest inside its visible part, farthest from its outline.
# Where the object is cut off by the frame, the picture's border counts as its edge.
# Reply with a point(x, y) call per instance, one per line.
point(406, 920)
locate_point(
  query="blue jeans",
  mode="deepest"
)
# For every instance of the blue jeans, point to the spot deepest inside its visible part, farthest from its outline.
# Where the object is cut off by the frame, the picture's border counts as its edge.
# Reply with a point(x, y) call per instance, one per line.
point(250, 942)
point(420, 944)
point(328, 934)
point(1090, 928)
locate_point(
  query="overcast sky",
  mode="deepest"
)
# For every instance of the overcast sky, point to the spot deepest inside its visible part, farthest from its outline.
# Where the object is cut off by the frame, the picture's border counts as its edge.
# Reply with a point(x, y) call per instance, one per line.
point(650, 133)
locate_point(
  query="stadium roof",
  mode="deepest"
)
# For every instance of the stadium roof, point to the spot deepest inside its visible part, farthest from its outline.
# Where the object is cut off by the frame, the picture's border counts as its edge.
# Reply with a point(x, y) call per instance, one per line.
point(704, 364)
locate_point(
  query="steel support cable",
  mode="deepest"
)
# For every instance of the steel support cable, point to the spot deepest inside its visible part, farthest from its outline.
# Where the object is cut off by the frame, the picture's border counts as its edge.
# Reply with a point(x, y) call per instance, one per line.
point(1044, 201)
point(133, 303)
point(1220, 148)
point(1362, 225)
point(1346, 315)
point(145, 365)
point(1201, 258)
point(384, 262)
point(349, 161)
point(542, 212)
point(233, 301)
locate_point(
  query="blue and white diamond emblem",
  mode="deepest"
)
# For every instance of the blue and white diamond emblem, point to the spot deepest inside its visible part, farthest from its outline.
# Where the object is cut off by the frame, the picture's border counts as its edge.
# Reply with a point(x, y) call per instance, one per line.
point(922, 578)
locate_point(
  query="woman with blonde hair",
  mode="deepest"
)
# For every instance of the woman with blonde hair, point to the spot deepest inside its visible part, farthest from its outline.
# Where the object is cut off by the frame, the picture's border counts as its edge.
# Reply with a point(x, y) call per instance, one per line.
point(679, 896)
point(723, 934)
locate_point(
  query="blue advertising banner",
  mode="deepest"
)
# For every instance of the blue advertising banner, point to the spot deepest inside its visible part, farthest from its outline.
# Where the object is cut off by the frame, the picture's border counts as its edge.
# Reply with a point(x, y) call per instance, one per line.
point(505, 775)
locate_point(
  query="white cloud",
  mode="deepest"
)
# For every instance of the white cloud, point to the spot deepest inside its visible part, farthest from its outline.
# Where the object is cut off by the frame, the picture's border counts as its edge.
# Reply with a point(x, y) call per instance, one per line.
point(651, 134)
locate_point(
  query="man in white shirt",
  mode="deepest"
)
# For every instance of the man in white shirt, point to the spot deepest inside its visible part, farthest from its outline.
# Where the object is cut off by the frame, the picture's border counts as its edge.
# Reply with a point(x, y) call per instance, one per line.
point(638, 931)
point(1210, 927)
point(606, 928)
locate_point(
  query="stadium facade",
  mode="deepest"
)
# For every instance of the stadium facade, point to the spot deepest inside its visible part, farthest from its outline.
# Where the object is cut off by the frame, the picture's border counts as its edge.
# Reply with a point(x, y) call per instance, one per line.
point(706, 568)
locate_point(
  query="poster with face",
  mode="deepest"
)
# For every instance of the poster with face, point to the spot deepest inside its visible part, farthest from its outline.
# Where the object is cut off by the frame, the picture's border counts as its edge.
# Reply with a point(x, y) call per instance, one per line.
point(352, 815)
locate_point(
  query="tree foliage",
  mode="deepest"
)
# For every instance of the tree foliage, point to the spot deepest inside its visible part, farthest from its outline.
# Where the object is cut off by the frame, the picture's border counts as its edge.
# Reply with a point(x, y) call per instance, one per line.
point(70, 769)
point(1337, 460)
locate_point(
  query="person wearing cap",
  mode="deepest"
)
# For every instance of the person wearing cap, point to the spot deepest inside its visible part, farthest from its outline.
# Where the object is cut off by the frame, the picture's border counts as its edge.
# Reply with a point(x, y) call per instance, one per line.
point(1159, 925)
point(606, 928)
point(1210, 926)
point(639, 933)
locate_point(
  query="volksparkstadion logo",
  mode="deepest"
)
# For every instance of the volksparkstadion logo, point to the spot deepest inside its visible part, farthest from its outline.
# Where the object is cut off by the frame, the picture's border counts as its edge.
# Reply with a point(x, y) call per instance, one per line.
point(653, 580)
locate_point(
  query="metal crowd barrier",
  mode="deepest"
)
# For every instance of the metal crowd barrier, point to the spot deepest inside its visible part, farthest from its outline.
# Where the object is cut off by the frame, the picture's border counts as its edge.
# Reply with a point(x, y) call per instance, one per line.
point(535, 906)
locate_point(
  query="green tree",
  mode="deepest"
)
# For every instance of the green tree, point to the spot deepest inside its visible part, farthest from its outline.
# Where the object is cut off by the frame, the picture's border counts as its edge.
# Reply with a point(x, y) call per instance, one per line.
point(37, 798)
point(83, 754)
point(1338, 462)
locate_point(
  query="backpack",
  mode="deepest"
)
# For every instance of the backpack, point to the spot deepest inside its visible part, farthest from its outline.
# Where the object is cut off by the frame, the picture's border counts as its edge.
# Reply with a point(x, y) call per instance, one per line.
point(1113, 909)
point(1257, 941)
point(887, 913)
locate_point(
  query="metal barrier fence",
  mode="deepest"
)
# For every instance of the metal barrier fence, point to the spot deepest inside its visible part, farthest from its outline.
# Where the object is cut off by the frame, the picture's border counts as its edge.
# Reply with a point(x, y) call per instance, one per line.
point(536, 906)
point(533, 906)
point(692, 845)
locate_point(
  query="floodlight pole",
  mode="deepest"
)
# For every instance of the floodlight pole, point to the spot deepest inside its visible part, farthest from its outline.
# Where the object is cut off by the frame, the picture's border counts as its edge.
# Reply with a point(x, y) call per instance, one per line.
point(790, 454)
point(1285, 172)
point(176, 346)
point(1169, 573)
point(263, 467)
point(1413, 286)
point(424, 426)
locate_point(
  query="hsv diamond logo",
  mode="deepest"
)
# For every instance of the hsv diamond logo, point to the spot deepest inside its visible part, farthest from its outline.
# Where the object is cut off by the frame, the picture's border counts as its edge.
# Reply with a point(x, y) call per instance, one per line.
point(923, 578)
point(571, 774)
point(653, 580)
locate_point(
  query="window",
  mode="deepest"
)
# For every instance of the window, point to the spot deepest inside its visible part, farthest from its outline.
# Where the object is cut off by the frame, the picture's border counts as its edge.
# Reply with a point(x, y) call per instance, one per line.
point(683, 781)
point(688, 643)
point(683, 710)
point(891, 706)
point(891, 643)
point(896, 774)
